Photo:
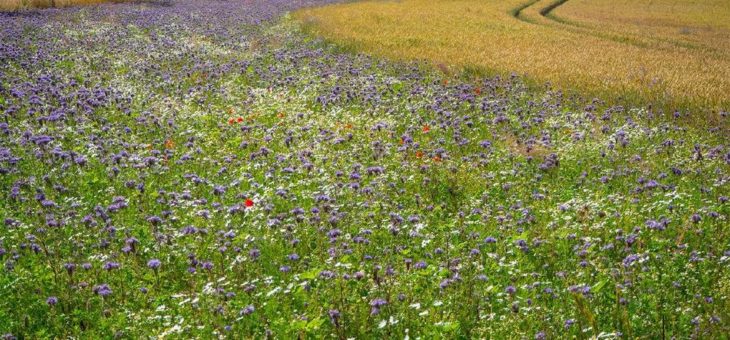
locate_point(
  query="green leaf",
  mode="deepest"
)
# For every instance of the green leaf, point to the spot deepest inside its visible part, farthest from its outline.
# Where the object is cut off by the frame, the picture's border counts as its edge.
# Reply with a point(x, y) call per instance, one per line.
point(449, 326)
point(310, 275)
point(597, 287)
point(299, 325)
point(314, 324)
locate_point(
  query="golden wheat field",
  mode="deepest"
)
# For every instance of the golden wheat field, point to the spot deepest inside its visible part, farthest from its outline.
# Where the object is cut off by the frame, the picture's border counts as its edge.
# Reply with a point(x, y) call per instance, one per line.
point(664, 51)
point(701, 24)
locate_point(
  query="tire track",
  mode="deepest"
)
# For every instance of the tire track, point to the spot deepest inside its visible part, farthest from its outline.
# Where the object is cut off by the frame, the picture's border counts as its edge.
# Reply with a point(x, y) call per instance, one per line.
point(625, 38)
point(546, 11)
point(517, 11)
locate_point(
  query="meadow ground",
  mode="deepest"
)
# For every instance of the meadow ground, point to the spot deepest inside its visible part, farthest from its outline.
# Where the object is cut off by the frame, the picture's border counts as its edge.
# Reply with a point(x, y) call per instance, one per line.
point(674, 52)
point(14, 5)
point(208, 170)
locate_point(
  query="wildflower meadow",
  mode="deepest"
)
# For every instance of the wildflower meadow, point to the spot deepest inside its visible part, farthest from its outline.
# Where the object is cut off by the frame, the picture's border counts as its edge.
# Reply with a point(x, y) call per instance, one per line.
point(207, 169)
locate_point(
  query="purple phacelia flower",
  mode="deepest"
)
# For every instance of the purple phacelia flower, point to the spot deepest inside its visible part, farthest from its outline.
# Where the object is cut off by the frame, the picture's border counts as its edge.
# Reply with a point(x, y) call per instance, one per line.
point(154, 264)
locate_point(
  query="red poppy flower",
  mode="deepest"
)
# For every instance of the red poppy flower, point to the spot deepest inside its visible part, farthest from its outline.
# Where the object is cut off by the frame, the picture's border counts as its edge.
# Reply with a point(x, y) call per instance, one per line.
point(231, 121)
point(248, 203)
point(426, 128)
point(239, 119)
point(419, 154)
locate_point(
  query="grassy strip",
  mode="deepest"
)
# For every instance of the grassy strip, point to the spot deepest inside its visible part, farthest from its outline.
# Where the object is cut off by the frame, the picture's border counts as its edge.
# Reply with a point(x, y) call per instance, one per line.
point(15, 5)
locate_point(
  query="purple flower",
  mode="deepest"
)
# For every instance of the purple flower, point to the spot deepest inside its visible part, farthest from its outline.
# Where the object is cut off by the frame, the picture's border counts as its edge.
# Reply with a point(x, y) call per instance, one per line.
point(70, 267)
point(630, 259)
point(696, 218)
point(52, 301)
point(327, 275)
point(155, 220)
point(154, 264)
point(111, 265)
point(102, 290)
point(444, 283)
point(334, 316)
point(376, 304)
point(569, 323)
point(248, 310)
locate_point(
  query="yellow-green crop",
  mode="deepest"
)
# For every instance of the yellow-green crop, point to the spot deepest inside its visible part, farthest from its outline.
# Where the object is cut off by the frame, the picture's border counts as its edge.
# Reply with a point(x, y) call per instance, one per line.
point(661, 51)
